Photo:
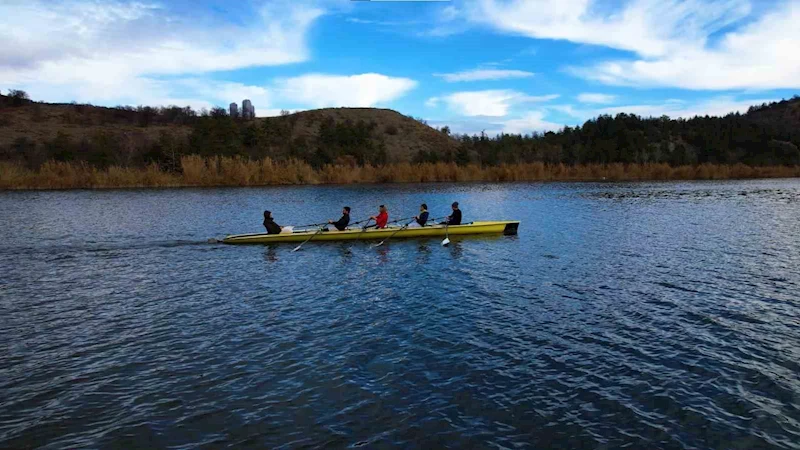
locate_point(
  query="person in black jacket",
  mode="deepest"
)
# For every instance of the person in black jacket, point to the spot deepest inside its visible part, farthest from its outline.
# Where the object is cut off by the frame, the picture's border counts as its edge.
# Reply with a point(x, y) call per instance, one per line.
point(344, 221)
point(270, 225)
point(422, 218)
point(455, 218)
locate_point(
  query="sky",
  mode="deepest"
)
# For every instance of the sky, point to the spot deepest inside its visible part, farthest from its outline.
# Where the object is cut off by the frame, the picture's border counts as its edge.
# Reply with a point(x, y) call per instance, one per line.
point(513, 66)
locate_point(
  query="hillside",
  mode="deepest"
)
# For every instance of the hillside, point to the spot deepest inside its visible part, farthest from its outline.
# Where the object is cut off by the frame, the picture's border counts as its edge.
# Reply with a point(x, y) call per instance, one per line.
point(32, 133)
point(786, 112)
point(36, 131)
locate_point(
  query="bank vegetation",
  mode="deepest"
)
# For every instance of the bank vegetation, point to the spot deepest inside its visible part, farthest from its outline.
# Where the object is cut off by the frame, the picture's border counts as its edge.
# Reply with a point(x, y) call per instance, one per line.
point(236, 171)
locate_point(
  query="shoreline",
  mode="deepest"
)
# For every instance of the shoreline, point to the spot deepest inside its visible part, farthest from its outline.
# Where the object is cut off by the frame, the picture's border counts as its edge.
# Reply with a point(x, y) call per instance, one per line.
point(238, 172)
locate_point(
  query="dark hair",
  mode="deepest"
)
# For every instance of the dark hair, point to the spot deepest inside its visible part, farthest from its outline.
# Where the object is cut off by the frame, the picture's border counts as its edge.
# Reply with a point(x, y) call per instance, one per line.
point(455, 205)
point(424, 206)
point(381, 206)
point(266, 214)
point(347, 208)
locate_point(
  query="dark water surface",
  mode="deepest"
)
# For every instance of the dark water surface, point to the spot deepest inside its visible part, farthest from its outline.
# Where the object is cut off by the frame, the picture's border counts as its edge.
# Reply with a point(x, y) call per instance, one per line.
point(659, 315)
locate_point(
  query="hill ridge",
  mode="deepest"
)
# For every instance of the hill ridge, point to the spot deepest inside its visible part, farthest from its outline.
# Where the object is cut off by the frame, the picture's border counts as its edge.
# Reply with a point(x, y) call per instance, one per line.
point(34, 132)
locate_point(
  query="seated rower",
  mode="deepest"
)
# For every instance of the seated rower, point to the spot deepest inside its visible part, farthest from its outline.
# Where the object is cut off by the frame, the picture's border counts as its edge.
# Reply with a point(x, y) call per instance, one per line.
point(270, 225)
point(455, 218)
point(421, 219)
point(381, 219)
point(343, 222)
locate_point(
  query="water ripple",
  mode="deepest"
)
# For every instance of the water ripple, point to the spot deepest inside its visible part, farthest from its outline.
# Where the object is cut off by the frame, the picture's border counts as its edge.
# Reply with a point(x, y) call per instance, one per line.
point(659, 315)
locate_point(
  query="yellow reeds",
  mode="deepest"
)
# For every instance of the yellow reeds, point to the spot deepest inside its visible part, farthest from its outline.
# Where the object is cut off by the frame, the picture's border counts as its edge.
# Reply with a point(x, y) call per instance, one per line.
point(227, 171)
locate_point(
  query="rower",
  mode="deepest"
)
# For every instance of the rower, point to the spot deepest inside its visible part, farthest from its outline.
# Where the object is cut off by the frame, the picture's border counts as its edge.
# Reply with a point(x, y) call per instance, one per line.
point(270, 225)
point(381, 219)
point(421, 219)
point(455, 218)
point(343, 222)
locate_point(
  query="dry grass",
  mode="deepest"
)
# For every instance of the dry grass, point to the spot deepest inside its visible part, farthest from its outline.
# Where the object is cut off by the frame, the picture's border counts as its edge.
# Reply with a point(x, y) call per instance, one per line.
point(220, 171)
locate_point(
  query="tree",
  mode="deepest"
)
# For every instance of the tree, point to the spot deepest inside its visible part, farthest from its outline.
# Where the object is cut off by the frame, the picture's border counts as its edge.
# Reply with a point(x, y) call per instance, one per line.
point(446, 130)
point(18, 97)
point(217, 112)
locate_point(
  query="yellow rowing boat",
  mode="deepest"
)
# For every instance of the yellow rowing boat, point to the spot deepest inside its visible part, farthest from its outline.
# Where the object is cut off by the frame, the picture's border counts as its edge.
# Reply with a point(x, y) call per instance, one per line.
point(497, 227)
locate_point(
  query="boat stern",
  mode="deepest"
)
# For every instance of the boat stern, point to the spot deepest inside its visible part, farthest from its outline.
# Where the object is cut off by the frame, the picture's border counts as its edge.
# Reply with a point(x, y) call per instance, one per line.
point(511, 228)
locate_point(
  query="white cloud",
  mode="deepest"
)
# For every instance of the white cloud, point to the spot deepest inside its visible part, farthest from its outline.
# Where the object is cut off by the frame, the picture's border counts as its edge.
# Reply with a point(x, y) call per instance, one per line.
point(690, 44)
point(761, 55)
point(303, 92)
point(448, 21)
point(432, 102)
point(484, 74)
point(384, 23)
point(647, 27)
point(527, 123)
point(136, 53)
point(364, 90)
point(596, 98)
point(119, 51)
point(492, 103)
point(716, 106)
point(540, 119)
point(530, 122)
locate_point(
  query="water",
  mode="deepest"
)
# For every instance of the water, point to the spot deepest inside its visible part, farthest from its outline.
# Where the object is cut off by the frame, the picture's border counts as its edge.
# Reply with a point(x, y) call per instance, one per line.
point(662, 315)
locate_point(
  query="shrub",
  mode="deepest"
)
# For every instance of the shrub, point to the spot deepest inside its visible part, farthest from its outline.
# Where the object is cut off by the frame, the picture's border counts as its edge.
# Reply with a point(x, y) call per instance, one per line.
point(18, 97)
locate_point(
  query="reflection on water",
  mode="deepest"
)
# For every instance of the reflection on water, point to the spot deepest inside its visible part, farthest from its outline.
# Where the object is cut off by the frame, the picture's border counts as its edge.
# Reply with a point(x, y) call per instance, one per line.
point(639, 315)
point(271, 253)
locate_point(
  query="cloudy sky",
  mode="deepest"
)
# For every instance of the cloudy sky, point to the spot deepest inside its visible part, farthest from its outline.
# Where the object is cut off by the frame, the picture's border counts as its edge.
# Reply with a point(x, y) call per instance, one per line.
point(494, 65)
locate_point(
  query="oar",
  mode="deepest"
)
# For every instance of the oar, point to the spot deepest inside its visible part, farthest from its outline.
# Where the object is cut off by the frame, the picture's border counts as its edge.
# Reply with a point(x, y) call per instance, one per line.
point(310, 225)
point(360, 221)
point(363, 229)
point(399, 230)
point(446, 240)
point(312, 237)
point(400, 220)
point(433, 221)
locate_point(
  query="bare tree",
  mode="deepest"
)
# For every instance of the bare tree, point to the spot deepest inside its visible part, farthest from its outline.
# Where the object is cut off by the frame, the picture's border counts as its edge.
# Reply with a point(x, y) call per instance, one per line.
point(18, 97)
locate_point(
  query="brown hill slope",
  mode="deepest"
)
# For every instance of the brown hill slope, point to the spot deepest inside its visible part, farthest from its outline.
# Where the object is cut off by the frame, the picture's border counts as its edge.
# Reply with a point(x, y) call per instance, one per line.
point(403, 136)
point(139, 129)
point(785, 112)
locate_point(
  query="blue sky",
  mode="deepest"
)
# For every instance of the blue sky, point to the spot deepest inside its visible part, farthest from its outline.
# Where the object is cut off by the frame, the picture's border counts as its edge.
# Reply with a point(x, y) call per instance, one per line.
point(495, 65)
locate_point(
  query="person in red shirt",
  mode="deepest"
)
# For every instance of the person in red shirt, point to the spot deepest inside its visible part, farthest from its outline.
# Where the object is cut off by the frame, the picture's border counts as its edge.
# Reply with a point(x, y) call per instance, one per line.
point(382, 218)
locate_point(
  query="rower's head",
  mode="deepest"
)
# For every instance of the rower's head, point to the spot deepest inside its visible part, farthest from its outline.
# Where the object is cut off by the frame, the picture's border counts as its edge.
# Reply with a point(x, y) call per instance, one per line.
point(346, 211)
point(267, 215)
point(382, 209)
point(455, 206)
point(423, 207)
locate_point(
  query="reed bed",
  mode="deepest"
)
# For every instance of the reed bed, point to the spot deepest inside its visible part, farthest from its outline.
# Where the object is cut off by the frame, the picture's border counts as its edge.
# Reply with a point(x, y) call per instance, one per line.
point(224, 171)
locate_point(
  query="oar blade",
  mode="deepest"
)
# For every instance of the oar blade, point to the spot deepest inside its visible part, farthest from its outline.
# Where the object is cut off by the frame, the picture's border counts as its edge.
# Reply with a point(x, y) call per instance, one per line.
point(446, 242)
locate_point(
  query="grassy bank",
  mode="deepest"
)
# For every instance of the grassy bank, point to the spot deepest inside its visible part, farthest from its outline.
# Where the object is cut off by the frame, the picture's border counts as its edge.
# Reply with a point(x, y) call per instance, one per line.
point(220, 171)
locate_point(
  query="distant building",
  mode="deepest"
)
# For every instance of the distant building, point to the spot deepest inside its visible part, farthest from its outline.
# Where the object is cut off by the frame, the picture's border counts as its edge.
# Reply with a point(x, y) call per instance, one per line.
point(234, 110)
point(248, 110)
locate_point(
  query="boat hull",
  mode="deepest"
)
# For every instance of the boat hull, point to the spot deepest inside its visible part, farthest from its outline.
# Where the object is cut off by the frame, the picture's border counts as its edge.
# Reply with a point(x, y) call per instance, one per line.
point(499, 227)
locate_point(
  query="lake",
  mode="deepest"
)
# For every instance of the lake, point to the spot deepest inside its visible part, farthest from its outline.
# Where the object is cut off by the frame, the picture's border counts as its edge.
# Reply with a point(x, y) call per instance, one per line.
point(638, 315)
